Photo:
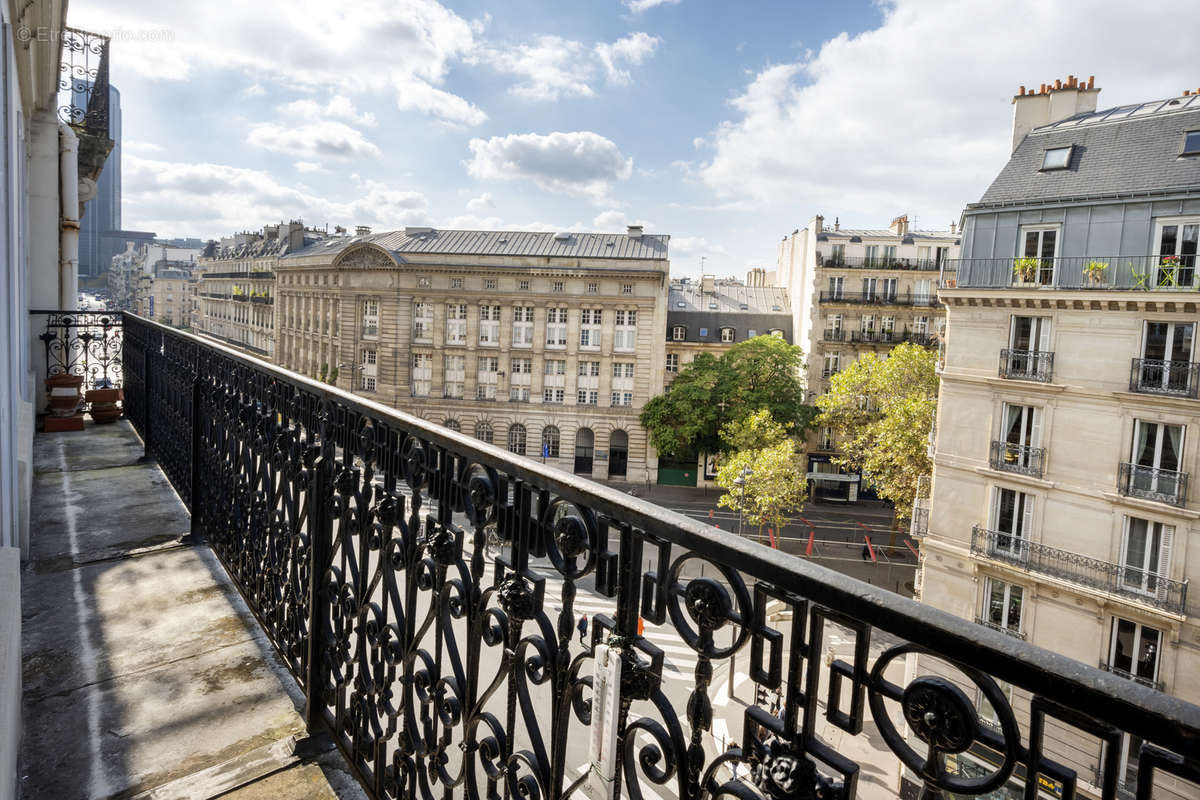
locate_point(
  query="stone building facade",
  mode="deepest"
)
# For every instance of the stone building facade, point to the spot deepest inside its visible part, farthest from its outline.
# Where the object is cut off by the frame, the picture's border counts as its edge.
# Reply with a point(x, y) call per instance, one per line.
point(1062, 507)
point(543, 343)
point(855, 292)
point(169, 298)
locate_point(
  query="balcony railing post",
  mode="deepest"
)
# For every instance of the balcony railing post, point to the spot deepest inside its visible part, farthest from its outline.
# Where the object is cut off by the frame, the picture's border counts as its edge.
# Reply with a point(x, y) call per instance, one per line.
point(148, 412)
point(194, 535)
point(320, 528)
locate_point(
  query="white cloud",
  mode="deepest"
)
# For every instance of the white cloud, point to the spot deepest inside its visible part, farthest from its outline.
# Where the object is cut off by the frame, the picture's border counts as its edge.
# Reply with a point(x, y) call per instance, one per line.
point(550, 68)
point(338, 107)
point(308, 166)
point(875, 124)
point(481, 203)
point(579, 163)
point(253, 90)
point(614, 219)
point(640, 6)
point(139, 146)
point(632, 49)
point(368, 46)
point(316, 139)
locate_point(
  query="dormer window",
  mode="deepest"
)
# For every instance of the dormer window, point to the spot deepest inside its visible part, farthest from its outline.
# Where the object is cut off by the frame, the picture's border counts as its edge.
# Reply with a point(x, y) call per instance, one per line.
point(1057, 158)
point(726, 334)
point(678, 333)
point(1191, 143)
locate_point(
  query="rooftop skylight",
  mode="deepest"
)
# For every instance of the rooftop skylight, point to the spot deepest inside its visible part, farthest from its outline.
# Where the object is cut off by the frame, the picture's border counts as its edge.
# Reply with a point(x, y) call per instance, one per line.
point(1057, 157)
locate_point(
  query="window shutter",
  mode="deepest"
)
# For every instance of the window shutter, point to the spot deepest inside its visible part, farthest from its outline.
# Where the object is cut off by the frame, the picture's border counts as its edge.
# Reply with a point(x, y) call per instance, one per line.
point(1035, 432)
point(1026, 516)
point(1044, 335)
point(1164, 560)
point(994, 516)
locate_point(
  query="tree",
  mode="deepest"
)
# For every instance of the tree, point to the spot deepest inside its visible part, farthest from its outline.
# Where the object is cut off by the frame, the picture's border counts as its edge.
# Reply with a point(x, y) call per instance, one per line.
point(882, 411)
point(710, 392)
point(774, 485)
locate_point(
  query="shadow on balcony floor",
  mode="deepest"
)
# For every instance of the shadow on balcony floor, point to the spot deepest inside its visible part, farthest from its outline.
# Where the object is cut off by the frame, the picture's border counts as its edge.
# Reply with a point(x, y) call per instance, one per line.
point(145, 675)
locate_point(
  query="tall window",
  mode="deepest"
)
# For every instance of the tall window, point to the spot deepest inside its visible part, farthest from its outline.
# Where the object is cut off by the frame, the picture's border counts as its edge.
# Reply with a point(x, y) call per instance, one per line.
point(516, 439)
point(872, 254)
point(1022, 432)
point(587, 387)
point(921, 325)
point(672, 362)
point(485, 377)
point(836, 287)
point(521, 370)
point(489, 325)
point(522, 326)
point(550, 441)
point(554, 381)
point(889, 254)
point(832, 364)
point(455, 375)
point(1134, 653)
point(483, 431)
point(826, 438)
point(1166, 357)
point(870, 289)
point(1012, 521)
point(422, 322)
point(367, 369)
point(456, 323)
point(888, 289)
point(868, 323)
point(678, 333)
point(1177, 244)
point(923, 292)
point(622, 384)
point(1156, 456)
point(1145, 554)
point(1003, 605)
point(887, 328)
point(1041, 245)
point(556, 327)
point(589, 328)
point(370, 319)
point(422, 374)
point(625, 336)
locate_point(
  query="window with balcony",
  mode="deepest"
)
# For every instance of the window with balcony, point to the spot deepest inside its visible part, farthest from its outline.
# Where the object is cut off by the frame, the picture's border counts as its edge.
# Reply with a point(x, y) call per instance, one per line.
point(1166, 365)
point(1153, 471)
point(672, 362)
point(870, 290)
point(453, 380)
point(422, 374)
point(837, 255)
point(888, 289)
point(522, 330)
point(1177, 246)
point(1011, 524)
point(456, 323)
point(370, 319)
point(589, 328)
point(1028, 355)
point(1002, 606)
point(422, 322)
point(625, 334)
point(837, 287)
point(921, 326)
point(487, 368)
point(871, 253)
point(834, 332)
point(489, 325)
point(867, 327)
point(923, 292)
point(889, 255)
point(887, 329)
point(1036, 262)
point(556, 327)
point(1134, 650)
point(832, 364)
point(1018, 448)
point(1145, 555)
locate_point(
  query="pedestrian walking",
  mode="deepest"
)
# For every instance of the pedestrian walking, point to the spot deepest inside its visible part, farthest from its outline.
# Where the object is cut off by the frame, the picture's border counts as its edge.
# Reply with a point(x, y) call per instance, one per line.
point(866, 553)
point(582, 629)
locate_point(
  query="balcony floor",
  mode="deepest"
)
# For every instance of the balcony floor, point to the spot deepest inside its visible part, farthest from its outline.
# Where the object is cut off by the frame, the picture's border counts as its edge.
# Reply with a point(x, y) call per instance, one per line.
point(145, 675)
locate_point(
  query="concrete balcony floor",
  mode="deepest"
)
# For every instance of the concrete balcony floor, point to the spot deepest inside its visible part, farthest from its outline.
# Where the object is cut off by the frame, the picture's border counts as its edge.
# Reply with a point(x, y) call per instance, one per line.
point(145, 675)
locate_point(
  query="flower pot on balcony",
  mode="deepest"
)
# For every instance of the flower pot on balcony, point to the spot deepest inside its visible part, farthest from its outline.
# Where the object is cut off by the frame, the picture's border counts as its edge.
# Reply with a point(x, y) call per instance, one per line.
point(64, 392)
point(103, 405)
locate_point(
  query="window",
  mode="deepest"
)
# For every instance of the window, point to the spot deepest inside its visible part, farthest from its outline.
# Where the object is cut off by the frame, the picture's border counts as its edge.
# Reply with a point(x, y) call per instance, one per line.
point(551, 395)
point(622, 398)
point(422, 374)
point(1155, 460)
point(1057, 157)
point(887, 328)
point(370, 319)
point(868, 325)
point(587, 371)
point(522, 331)
point(521, 366)
point(1191, 143)
point(678, 333)
point(516, 439)
point(593, 288)
point(489, 284)
point(836, 287)
point(1133, 650)
point(625, 336)
point(987, 714)
point(837, 254)
point(672, 362)
point(726, 334)
point(556, 327)
point(832, 364)
point(921, 325)
point(626, 288)
point(426, 282)
point(456, 283)
point(518, 394)
point(1012, 523)
point(455, 375)
point(589, 328)
point(587, 397)
point(452, 424)
point(556, 367)
point(1177, 245)
point(456, 323)
point(888, 290)
point(1037, 262)
point(1020, 435)
point(556, 286)
point(622, 370)
point(483, 431)
point(1166, 366)
point(519, 380)
point(872, 255)
point(489, 325)
point(923, 292)
point(750, 334)
point(367, 369)
point(1002, 605)
point(422, 322)
point(523, 286)
point(1145, 554)
point(826, 438)
point(550, 442)
point(870, 290)
point(485, 377)
point(889, 255)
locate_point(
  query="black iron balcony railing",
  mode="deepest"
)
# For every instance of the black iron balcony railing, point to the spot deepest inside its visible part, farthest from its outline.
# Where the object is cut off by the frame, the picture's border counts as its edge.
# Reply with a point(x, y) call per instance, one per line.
point(1157, 685)
point(829, 372)
point(1149, 483)
point(255, 298)
point(1125, 581)
point(1019, 634)
point(1027, 365)
point(83, 80)
point(880, 298)
point(834, 260)
point(1155, 376)
point(253, 274)
point(1156, 273)
point(83, 343)
point(357, 536)
point(833, 335)
point(1018, 458)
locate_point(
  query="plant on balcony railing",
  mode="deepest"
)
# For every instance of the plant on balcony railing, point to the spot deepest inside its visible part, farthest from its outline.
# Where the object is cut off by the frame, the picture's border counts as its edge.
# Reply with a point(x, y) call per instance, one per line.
point(357, 535)
point(1025, 270)
point(1151, 483)
point(1156, 376)
point(1018, 458)
point(1095, 272)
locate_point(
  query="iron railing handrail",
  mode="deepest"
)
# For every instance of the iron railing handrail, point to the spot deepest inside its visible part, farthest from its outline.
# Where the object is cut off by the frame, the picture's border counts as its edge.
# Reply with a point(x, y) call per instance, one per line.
point(878, 262)
point(879, 298)
point(1160, 376)
point(1018, 458)
point(1152, 589)
point(1027, 365)
point(252, 274)
point(249, 427)
point(1145, 272)
point(1164, 485)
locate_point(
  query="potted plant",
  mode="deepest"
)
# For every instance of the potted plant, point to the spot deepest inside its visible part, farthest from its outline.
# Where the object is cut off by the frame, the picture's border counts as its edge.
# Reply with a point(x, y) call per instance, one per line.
point(1140, 277)
point(1168, 271)
point(1025, 270)
point(102, 404)
point(1095, 271)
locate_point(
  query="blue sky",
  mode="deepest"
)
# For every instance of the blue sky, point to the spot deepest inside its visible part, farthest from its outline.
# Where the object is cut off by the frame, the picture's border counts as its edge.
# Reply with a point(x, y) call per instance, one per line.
point(724, 124)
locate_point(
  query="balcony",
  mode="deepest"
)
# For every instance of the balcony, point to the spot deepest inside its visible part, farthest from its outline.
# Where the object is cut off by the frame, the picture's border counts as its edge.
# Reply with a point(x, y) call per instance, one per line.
point(1148, 483)
point(863, 262)
point(355, 536)
point(1140, 273)
point(1026, 365)
point(1171, 378)
point(1115, 579)
point(1018, 458)
point(997, 627)
point(1157, 686)
point(879, 298)
point(833, 335)
point(257, 298)
point(254, 275)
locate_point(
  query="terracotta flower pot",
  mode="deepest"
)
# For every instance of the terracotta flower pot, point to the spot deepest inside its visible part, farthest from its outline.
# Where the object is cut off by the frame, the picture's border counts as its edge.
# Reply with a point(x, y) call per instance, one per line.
point(104, 396)
point(103, 405)
point(65, 396)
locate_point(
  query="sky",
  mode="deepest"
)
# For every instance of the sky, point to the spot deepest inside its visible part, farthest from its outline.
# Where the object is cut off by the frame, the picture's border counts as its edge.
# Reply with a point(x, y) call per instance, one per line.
point(724, 124)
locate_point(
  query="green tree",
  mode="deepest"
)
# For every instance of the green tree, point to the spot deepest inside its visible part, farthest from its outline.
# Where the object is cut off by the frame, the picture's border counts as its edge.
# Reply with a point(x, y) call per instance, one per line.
point(763, 477)
point(882, 411)
point(709, 393)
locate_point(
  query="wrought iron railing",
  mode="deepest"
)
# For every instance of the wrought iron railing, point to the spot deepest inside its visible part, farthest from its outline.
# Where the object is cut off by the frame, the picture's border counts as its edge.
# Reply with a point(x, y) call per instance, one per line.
point(1156, 273)
point(357, 535)
point(834, 260)
point(84, 343)
point(1019, 458)
point(919, 523)
point(1134, 583)
point(1157, 685)
point(1155, 376)
point(834, 335)
point(83, 81)
point(880, 298)
point(1163, 485)
point(1027, 365)
point(1019, 634)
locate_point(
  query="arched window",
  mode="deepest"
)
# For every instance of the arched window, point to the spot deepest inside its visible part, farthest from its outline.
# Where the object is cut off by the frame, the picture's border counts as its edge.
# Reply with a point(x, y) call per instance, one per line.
point(516, 439)
point(483, 431)
point(452, 424)
point(584, 450)
point(550, 439)
point(618, 454)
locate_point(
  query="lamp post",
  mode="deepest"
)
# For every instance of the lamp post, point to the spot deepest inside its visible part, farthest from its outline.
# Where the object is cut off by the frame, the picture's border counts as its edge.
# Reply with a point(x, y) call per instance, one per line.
point(740, 483)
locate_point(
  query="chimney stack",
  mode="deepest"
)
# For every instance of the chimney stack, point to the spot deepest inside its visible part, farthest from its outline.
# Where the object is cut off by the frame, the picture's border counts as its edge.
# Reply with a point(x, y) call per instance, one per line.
point(633, 231)
point(819, 223)
point(708, 284)
point(837, 225)
point(899, 225)
point(362, 230)
point(1051, 104)
point(953, 227)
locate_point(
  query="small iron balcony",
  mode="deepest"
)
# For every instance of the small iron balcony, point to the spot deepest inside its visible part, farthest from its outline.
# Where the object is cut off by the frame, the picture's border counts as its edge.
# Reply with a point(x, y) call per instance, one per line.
point(1026, 365)
point(1155, 376)
point(1146, 273)
point(1018, 458)
point(833, 335)
point(1149, 483)
point(878, 262)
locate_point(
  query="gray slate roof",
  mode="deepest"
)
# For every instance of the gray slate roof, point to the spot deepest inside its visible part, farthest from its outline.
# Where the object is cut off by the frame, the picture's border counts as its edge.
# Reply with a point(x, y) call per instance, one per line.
point(729, 299)
point(503, 243)
point(1125, 150)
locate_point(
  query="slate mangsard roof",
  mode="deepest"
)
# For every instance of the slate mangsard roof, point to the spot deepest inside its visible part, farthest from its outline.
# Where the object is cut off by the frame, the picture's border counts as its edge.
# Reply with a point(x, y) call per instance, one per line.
point(729, 299)
point(1118, 151)
point(503, 243)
